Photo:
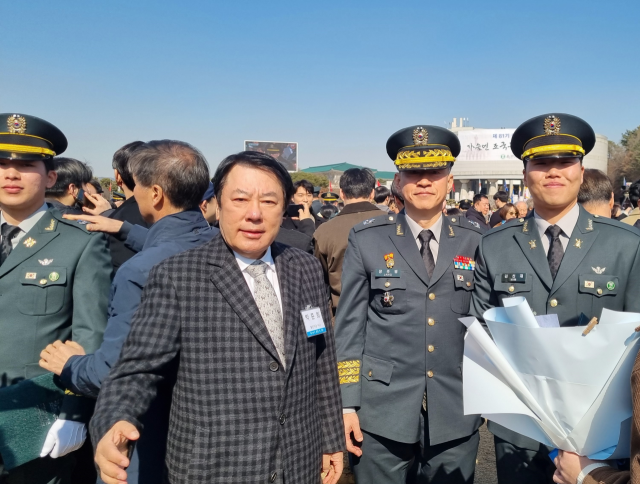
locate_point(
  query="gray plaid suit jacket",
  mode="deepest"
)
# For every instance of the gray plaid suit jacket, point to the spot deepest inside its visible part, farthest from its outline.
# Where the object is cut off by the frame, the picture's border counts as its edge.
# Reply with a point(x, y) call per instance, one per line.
point(236, 416)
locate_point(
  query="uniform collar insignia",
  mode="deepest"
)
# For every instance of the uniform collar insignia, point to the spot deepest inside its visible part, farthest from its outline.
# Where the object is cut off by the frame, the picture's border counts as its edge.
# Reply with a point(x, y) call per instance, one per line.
point(598, 270)
point(532, 244)
point(589, 224)
point(578, 243)
point(51, 226)
point(451, 234)
point(525, 227)
point(30, 242)
point(399, 229)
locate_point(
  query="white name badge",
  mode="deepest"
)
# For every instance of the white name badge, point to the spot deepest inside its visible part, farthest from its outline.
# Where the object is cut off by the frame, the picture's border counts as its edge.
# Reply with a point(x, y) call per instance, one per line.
point(313, 322)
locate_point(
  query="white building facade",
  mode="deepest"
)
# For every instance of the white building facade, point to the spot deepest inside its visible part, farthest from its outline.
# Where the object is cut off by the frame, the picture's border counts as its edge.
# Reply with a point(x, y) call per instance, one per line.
point(486, 163)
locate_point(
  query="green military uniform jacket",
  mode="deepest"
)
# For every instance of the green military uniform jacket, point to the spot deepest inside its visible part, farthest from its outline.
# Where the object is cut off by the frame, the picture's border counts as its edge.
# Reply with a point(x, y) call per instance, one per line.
point(53, 286)
point(389, 353)
point(600, 269)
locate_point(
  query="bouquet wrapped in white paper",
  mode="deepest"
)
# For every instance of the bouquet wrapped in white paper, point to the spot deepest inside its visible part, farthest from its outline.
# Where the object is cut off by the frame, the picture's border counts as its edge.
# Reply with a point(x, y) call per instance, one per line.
point(555, 385)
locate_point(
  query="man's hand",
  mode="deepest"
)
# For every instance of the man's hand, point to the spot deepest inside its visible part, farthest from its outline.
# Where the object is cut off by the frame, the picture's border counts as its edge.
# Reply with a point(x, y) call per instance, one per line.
point(352, 424)
point(101, 205)
point(55, 356)
point(569, 466)
point(331, 468)
point(304, 212)
point(112, 450)
point(63, 437)
point(98, 223)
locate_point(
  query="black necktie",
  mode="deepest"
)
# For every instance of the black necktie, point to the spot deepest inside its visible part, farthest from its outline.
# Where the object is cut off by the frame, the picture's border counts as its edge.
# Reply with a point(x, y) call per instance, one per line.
point(556, 252)
point(8, 232)
point(427, 256)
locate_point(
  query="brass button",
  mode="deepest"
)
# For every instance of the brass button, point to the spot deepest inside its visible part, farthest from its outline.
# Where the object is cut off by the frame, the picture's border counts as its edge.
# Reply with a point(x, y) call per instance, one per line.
point(431, 321)
point(431, 348)
point(511, 288)
point(430, 374)
point(468, 284)
point(432, 296)
point(599, 291)
point(390, 218)
point(453, 219)
point(370, 373)
point(387, 284)
point(521, 220)
point(553, 303)
point(43, 281)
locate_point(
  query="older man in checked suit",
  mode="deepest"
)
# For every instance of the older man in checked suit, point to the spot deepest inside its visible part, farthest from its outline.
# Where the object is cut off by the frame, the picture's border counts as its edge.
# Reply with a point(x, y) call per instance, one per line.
point(255, 396)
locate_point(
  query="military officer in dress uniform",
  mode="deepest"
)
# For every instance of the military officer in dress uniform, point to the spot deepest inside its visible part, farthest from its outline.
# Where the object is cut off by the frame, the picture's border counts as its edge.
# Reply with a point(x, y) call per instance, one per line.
point(54, 284)
point(406, 280)
point(562, 259)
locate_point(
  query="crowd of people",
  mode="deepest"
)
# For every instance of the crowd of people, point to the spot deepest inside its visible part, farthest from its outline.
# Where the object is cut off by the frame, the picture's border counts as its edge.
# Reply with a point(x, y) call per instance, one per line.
point(243, 328)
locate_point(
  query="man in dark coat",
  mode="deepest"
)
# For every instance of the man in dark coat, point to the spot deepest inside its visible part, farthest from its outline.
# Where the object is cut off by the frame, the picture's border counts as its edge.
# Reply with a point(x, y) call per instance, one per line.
point(177, 226)
point(476, 214)
point(129, 210)
point(256, 395)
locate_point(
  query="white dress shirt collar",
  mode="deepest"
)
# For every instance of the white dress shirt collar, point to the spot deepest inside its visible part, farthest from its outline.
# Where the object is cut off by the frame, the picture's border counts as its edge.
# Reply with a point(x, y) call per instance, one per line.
point(244, 262)
point(566, 223)
point(415, 228)
point(27, 224)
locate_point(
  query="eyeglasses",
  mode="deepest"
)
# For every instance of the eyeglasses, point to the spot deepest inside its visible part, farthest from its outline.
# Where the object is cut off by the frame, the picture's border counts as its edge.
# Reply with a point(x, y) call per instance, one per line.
point(511, 213)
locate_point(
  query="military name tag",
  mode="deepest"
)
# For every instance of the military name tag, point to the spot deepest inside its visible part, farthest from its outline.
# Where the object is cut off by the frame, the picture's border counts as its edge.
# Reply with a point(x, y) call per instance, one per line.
point(514, 277)
point(313, 323)
point(387, 272)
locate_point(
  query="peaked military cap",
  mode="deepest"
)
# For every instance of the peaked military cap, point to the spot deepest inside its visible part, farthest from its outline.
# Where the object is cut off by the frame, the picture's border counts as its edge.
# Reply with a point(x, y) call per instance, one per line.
point(423, 147)
point(553, 136)
point(24, 137)
point(330, 197)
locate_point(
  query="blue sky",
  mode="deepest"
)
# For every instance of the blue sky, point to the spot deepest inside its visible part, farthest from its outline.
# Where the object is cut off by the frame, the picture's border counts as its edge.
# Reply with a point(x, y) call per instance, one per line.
point(337, 77)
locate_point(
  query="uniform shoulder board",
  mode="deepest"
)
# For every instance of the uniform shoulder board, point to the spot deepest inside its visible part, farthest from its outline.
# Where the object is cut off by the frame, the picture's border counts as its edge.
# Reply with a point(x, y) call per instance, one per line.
point(465, 223)
point(518, 222)
point(386, 219)
point(614, 223)
point(79, 224)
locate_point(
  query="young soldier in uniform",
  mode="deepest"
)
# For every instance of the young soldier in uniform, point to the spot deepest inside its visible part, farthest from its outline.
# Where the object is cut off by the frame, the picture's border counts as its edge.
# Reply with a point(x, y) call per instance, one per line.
point(406, 280)
point(562, 259)
point(54, 282)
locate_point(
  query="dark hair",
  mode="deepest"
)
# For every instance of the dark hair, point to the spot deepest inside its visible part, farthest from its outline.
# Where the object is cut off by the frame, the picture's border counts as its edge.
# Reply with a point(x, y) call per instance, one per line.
point(97, 186)
point(634, 193)
point(479, 196)
point(177, 167)
point(501, 195)
point(69, 171)
point(596, 187)
point(464, 204)
point(357, 183)
point(257, 160)
point(397, 194)
point(327, 211)
point(307, 185)
point(454, 211)
point(381, 194)
point(505, 210)
point(120, 162)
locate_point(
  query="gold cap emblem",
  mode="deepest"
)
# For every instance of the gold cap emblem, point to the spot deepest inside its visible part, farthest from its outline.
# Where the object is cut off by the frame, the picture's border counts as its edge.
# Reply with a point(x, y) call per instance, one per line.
point(551, 125)
point(420, 137)
point(16, 124)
